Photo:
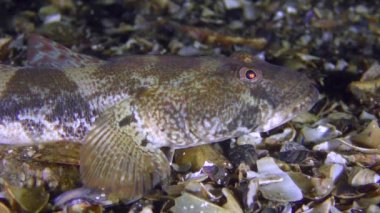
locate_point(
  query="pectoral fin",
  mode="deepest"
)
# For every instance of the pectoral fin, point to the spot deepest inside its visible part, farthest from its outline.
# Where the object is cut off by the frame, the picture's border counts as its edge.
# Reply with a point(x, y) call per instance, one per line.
point(116, 159)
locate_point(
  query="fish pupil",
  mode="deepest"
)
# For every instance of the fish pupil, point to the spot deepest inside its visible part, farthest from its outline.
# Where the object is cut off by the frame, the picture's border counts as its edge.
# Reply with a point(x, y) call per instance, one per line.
point(250, 74)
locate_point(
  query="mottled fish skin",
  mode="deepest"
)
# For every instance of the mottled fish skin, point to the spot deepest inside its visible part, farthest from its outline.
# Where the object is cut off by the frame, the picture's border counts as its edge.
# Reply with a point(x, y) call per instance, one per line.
point(125, 109)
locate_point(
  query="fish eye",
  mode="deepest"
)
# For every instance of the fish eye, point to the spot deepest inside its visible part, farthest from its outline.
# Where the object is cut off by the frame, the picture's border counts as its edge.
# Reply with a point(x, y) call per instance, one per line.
point(249, 74)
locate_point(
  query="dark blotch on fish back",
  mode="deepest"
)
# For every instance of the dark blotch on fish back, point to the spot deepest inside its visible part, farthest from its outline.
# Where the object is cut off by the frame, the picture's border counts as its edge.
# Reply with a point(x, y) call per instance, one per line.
point(31, 88)
point(53, 79)
point(37, 88)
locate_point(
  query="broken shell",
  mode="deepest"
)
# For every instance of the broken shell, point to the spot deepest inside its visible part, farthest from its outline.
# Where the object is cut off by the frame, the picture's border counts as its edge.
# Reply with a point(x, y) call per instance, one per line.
point(312, 187)
point(332, 145)
point(370, 198)
point(288, 134)
point(369, 137)
point(4, 47)
point(326, 206)
point(367, 160)
point(320, 133)
point(193, 186)
point(80, 205)
point(366, 116)
point(232, 4)
point(83, 195)
point(239, 154)
point(372, 209)
point(29, 199)
point(361, 176)
point(284, 191)
point(29, 173)
point(4, 208)
point(64, 5)
point(332, 171)
point(58, 152)
point(372, 73)
point(334, 157)
point(232, 204)
point(366, 90)
point(292, 152)
point(305, 117)
point(142, 205)
point(216, 173)
point(210, 192)
point(191, 203)
point(253, 188)
point(343, 190)
point(47, 12)
point(197, 156)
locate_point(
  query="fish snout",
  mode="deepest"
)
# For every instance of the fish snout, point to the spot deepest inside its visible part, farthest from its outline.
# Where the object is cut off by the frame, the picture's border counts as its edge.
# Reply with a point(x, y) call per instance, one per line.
point(289, 102)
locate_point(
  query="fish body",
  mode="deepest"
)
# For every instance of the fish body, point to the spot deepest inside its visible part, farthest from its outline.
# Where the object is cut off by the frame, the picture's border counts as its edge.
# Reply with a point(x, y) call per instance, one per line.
point(124, 110)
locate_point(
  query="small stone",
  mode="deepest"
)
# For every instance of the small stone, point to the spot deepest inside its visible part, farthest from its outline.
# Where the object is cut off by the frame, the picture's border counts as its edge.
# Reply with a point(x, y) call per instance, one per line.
point(361, 9)
point(341, 64)
point(279, 15)
point(48, 11)
point(232, 4)
point(249, 11)
point(291, 10)
point(64, 4)
point(329, 66)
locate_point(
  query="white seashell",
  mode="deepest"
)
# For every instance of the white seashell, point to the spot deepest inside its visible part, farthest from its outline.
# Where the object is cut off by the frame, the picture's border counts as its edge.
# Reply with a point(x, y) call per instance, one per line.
point(253, 188)
point(283, 191)
point(335, 158)
point(320, 133)
point(232, 4)
point(333, 145)
point(190, 203)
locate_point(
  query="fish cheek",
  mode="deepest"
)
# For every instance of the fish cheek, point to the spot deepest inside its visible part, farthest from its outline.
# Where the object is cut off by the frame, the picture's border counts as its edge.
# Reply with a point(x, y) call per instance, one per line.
point(248, 118)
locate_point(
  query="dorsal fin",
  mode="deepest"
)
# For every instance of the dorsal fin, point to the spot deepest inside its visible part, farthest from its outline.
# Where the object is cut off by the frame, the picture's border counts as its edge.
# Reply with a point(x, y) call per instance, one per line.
point(43, 52)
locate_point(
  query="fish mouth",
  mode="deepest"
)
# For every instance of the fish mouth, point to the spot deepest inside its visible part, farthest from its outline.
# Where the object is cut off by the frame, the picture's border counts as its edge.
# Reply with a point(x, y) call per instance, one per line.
point(287, 111)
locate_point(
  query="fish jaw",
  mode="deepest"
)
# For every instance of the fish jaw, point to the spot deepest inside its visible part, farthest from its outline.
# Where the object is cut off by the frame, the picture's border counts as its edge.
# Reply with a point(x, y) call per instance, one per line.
point(290, 111)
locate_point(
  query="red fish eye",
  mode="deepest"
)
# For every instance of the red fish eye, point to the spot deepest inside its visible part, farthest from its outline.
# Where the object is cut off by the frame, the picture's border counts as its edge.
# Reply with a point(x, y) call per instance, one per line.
point(250, 74)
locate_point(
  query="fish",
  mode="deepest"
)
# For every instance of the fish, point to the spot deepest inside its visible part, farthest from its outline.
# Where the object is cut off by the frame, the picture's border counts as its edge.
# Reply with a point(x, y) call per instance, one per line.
point(125, 111)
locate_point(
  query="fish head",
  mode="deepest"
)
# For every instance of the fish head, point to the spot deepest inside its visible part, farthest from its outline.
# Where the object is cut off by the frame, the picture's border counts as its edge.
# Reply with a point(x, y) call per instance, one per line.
point(266, 96)
point(210, 99)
